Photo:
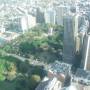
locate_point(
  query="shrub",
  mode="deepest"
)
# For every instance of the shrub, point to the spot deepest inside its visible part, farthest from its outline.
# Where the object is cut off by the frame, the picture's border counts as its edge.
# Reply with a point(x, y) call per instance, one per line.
point(34, 81)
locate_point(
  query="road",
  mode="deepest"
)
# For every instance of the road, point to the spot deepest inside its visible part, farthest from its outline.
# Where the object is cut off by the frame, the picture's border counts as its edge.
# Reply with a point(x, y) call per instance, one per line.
point(34, 62)
point(17, 56)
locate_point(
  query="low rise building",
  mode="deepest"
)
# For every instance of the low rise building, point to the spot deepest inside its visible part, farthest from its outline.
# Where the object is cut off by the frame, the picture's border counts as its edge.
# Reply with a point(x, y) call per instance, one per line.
point(50, 84)
point(82, 77)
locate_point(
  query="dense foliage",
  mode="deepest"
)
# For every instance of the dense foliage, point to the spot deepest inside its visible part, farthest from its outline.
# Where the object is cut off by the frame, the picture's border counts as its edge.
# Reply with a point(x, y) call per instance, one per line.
point(42, 44)
point(38, 41)
point(18, 75)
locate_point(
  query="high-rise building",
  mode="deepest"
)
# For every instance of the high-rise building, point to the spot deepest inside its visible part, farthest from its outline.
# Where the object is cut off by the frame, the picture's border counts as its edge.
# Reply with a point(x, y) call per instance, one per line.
point(27, 22)
point(70, 34)
point(85, 63)
point(50, 16)
point(40, 16)
point(60, 12)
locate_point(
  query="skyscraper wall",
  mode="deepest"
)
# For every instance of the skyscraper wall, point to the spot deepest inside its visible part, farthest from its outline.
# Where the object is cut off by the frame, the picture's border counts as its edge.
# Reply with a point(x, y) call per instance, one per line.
point(70, 33)
point(27, 22)
point(60, 12)
point(50, 16)
point(85, 63)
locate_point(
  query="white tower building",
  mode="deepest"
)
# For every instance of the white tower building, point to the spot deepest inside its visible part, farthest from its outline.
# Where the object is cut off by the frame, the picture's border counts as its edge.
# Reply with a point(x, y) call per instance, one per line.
point(60, 12)
point(86, 53)
point(50, 16)
point(27, 22)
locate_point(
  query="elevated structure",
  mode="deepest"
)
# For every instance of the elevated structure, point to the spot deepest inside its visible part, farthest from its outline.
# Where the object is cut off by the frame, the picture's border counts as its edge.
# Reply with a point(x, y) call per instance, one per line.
point(27, 22)
point(86, 53)
point(70, 34)
point(60, 12)
point(82, 77)
point(50, 16)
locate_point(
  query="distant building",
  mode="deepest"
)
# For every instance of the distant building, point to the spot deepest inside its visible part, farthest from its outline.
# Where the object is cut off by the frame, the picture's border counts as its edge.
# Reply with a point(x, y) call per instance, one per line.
point(86, 53)
point(80, 41)
point(27, 22)
point(70, 34)
point(83, 28)
point(50, 16)
point(40, 16)
point(2, 29)
point(60, 12)
point(14, 25)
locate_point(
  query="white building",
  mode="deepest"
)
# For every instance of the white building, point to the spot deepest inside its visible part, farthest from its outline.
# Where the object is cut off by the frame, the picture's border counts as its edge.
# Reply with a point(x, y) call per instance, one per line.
point(50, 84)
point(2, 29)
point(27, 22)
point(86, 53)
point(50, 16)
point(60, 12)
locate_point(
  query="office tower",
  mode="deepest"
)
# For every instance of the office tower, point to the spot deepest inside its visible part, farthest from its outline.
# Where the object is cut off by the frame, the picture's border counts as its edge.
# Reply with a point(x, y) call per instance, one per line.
point(60, 12)
point(85, 63)
point(77, 37)
point(39, 16)
point(27, 22)
point(70, 34)
point(80, 41)
point(83, 28)
point(50, 16)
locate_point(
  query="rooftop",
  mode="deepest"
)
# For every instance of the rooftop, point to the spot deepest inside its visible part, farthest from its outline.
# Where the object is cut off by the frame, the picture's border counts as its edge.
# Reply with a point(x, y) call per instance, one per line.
point(60, 67)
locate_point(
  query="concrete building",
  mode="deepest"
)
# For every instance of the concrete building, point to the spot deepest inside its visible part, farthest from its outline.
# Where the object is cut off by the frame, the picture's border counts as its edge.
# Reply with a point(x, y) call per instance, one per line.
point(2, 29)
point(70, 34)
point(83, 28)
point(81, 77)
point(27, 22)
point(86, 53)
point(50, 84)
point(40, 16)
point(50, 16)
point(60, 12)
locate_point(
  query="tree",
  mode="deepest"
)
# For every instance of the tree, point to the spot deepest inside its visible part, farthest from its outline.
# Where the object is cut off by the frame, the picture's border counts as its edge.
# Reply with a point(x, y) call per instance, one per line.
point(23, 67)
point(21, 83)
point(26, 47)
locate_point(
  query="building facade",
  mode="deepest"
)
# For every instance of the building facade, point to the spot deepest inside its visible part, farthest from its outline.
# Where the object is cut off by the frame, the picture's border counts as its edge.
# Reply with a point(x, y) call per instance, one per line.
point(60, 12)
point(85, 64)
point(70, 34)
point(27, 22)
point(50, 16)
